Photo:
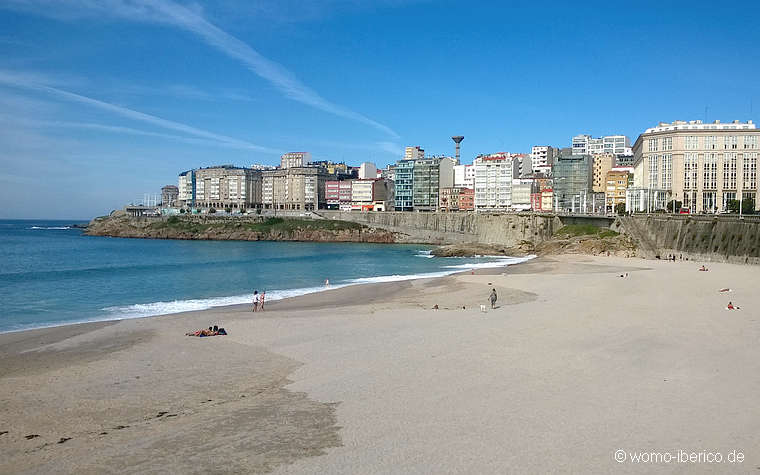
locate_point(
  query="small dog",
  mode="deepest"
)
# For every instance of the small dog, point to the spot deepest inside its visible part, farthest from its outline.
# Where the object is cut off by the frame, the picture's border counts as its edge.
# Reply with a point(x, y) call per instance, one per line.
point(483, 308)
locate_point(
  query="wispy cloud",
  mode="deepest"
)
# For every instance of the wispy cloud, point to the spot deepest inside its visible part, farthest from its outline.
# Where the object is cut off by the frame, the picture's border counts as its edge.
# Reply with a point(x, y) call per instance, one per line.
point(114, 129)
point(192, 20)
point(21, 81)
point(182, 91)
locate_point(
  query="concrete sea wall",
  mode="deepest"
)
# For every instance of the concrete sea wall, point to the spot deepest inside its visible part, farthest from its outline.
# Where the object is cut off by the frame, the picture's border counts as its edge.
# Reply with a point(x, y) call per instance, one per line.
point(701, 238)
point(458, 228)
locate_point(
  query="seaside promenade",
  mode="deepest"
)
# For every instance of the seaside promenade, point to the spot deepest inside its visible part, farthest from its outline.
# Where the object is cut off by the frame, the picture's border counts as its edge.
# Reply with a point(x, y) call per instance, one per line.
point(575, 365)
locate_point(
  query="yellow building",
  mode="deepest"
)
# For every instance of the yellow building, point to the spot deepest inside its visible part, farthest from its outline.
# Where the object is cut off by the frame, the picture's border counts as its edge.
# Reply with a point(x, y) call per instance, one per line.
point(616, 182)
point(603, 162)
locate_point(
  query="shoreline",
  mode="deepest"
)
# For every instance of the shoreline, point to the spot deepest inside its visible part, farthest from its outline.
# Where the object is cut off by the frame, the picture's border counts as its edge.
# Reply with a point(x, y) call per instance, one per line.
point(305, 290)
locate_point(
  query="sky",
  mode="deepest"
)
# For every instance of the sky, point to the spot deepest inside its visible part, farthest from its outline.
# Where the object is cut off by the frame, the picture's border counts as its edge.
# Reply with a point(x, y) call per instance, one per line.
point(102, 101)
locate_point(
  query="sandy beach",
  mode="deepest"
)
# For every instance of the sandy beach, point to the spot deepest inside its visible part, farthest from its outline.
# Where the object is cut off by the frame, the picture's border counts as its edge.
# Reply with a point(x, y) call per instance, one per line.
point(574, 364)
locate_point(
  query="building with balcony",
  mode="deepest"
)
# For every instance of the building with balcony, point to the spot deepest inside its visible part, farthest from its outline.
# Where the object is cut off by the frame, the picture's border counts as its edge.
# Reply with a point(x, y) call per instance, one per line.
point(456, 199)
point(221, 187)
point(294, 188)
point(493, 181)
point(418, 181)
point(542, 158)
point(614, 144)
point(617, 180)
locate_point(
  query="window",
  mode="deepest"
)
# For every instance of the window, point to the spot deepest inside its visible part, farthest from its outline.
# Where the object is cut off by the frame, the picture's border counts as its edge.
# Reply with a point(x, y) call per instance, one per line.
point(708, 201)
point(729, 171)
point(710, 172)
point(730, 142)
point(690, 171)
point(653, 145)
point(653, 170)
point(667, 143)
point(749, 175)
point(750, 141)
point(667, 170)
point(692, 142)
point(711, 142)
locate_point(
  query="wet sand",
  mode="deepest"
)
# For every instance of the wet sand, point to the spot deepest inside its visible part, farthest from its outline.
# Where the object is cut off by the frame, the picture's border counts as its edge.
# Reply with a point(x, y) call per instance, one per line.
point(574, 364)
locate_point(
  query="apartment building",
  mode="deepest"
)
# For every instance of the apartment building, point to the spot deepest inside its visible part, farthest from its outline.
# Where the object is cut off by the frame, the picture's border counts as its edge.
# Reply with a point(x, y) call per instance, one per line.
point(572, 182)
point(542, 158)
point(601, 164)
point(294, 188)
point(221, 187)
point(493, 182)
point(338, 194)
point(464, 176)
point(456, 199)
point(414, 153)
point(295, 159)
point(418, 181)
point(617, 182)
point(703, 165)
point(614, 144)
point(371, 194)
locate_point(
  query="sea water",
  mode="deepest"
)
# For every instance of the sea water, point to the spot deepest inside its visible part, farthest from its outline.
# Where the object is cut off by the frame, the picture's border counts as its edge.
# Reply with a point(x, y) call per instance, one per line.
point(52, 274)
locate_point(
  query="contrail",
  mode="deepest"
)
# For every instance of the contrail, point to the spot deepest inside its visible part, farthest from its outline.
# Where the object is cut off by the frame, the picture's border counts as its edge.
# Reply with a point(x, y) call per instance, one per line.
point(20, 82)
point(273, 72)
point(168, 12)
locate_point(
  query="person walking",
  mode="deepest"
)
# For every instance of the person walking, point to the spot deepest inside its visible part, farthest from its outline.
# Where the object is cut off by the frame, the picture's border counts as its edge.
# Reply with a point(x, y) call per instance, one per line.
point(261, 300)
point(493, 298)
point(255, 301)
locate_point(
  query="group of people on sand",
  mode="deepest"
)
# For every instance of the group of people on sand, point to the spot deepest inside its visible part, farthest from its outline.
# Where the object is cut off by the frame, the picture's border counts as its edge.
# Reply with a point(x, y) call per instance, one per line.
point(258, 301)
point(703, 268)
point(212, 331)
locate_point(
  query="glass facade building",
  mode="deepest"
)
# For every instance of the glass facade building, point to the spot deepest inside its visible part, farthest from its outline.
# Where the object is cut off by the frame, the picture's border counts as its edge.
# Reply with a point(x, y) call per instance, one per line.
point(572, 182)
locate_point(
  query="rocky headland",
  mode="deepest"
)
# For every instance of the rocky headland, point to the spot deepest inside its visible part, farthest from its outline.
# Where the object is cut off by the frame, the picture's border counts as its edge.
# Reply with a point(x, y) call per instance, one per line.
point(240, 228)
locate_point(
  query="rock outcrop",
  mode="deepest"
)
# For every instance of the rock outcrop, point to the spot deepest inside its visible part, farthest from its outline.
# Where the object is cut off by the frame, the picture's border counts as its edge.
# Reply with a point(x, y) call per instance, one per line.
point(240, 228)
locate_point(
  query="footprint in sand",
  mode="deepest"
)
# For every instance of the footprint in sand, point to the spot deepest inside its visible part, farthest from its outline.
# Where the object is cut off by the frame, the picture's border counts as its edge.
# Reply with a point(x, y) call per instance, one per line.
point(3, 432)
point(162, 413)
point(31, 436)
point(119, 427)
point(64, 439)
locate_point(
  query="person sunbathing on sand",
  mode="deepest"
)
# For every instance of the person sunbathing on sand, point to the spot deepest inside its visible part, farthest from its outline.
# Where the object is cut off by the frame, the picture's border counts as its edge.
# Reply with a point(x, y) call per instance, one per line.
point(732, 307)
point(703, 269)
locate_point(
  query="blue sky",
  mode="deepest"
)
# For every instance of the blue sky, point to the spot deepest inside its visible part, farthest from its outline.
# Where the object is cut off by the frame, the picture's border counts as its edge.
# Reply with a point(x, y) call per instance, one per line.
point(104, 100)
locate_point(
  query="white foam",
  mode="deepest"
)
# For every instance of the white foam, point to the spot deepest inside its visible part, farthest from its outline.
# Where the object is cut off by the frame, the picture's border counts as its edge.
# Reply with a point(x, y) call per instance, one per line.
point(50, 227)
point(178, 306)
point(427, 254)
point(500, 262)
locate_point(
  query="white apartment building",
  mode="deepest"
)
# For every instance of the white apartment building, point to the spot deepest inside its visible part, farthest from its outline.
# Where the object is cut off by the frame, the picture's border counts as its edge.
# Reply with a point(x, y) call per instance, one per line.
point(542, 158)
point(615, 144)
point(464, 176)
point(493, 182)
point(295, 159)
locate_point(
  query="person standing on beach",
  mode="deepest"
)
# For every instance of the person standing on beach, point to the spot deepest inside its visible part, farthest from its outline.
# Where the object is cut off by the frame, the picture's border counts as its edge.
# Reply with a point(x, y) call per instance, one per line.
point(493, 298)
point(261, 300)
point(255, 300)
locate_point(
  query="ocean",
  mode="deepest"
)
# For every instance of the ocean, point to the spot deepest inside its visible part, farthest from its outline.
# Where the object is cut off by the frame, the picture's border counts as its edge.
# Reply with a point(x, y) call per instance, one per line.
point(52, 274)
